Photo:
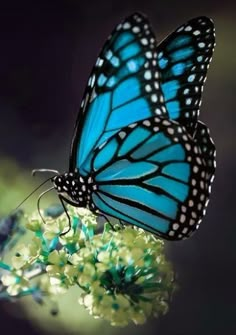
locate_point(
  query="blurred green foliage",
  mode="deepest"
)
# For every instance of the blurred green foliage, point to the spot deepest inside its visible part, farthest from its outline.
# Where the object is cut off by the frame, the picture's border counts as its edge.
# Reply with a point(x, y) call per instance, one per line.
point(15, 185)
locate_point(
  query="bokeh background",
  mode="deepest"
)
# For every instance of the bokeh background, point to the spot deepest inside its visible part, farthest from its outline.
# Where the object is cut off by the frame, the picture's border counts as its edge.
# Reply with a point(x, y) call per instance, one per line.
point(47, 49)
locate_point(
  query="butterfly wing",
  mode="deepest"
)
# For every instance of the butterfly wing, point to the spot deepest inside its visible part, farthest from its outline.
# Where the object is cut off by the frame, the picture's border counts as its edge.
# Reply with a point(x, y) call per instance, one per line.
point(183, 60)
point(123, 88)
point(154, 175)
point(153, 172)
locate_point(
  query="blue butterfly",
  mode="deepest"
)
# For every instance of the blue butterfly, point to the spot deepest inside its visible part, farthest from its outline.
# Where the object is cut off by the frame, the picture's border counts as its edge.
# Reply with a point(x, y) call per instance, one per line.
point(139, 153)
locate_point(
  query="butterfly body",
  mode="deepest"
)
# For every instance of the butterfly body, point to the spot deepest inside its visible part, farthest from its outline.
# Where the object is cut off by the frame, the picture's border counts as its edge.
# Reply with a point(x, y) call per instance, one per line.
point(139, 152)
point(75, 188)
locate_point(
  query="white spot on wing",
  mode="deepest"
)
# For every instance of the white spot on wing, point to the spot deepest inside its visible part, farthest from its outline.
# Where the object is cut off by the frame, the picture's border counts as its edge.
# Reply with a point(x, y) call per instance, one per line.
point(126, 25)
point(147, 75)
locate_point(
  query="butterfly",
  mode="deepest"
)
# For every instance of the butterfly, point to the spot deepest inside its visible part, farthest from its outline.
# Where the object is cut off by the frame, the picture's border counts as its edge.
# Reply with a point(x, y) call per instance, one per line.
point(139, 153)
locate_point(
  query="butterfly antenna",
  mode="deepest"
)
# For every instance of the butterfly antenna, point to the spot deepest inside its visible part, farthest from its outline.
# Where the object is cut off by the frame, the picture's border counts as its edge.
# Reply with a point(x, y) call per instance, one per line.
point(38, 202)
point(36, 189)
point(35, 171)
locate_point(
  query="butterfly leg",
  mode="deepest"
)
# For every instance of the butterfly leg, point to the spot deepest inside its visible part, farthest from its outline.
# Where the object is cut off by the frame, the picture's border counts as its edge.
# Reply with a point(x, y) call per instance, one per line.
point(72, 203)
point(122, 224)
point(107, 220)
point(62, 199)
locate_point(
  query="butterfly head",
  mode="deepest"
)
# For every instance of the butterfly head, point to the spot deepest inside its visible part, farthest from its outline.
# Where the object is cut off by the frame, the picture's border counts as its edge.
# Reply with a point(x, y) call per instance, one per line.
point(73, 187)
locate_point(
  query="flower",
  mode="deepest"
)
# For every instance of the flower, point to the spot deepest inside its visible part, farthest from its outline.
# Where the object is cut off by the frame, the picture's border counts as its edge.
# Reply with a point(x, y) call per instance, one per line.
point(27, 255)
point(123, 274)
point(60, 272)
point(129, 278)
point(15, 283)
point(54, 228)
point(34, 223)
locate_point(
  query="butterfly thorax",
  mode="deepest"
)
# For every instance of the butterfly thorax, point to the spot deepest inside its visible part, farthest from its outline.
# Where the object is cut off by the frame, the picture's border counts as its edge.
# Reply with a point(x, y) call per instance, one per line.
point(75, 187)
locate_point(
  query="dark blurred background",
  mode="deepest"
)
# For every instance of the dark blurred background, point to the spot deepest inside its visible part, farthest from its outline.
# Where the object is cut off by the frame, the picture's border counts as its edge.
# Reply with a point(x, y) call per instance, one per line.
point(47, 49)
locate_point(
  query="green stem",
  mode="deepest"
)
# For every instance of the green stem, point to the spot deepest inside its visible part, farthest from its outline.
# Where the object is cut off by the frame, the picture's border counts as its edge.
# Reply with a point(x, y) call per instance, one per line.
point(35, 273)
point(4, 295)
point(26, 292)
point(5, 266)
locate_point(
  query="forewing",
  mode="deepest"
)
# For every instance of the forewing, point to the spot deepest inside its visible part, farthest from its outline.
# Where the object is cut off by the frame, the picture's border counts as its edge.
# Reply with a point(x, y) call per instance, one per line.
point(123, 88)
